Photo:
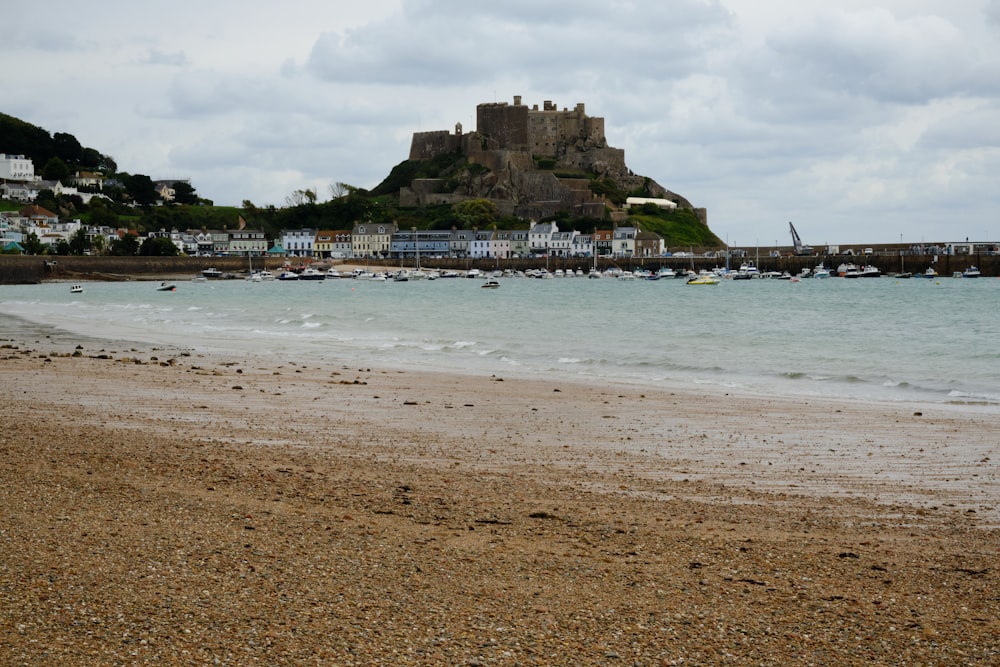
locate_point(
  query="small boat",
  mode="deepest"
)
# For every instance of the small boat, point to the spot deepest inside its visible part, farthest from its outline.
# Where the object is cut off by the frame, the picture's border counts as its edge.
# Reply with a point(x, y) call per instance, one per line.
point(76, 289)
point(312, 274)
point(265, 275)
point(930, 273)
point(490, 284)
point(166, 287)
point(869, 271)
point(702, 279)
point(821, 272)
point(288, 275)
point(848, 270)
point(212, 272)
point(334, 273)
point(971, 272)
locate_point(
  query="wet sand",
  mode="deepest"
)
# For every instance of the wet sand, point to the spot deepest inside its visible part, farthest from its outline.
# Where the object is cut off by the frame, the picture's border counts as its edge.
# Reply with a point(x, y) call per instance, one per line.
point(161, 507)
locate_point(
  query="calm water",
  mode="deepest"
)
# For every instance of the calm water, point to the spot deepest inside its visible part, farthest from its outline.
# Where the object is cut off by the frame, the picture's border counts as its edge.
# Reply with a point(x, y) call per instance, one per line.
point(919, 340)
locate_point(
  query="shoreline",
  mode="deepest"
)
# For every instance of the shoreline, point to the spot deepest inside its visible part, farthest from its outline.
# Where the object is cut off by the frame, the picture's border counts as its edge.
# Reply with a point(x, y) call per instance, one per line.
point(162, 505)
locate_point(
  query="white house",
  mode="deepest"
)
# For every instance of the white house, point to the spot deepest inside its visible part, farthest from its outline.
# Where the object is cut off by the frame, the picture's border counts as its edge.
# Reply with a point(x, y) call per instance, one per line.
point(540, 237)
point(623, 243)
point(298, 242)
point(16, 168)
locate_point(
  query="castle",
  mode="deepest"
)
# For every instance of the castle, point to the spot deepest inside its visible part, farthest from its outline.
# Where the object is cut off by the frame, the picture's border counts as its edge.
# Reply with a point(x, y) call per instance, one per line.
point(545, 132)
point(531, 162)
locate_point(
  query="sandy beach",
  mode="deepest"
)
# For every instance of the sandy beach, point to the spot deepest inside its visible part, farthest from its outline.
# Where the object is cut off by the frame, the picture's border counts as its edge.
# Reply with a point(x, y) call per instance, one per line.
point(162, 507)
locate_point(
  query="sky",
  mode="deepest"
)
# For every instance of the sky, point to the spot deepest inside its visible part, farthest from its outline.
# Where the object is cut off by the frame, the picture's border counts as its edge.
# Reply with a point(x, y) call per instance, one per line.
point(875, 121)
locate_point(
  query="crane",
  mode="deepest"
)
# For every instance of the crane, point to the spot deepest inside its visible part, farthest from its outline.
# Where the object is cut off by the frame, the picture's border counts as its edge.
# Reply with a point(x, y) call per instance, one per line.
point(800, 247)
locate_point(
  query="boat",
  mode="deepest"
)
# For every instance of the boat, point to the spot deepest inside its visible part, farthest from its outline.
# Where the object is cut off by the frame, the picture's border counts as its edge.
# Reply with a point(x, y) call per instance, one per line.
point(971, 272)
point(490, 284)
point(930, 273)
point(821, 272)
point(666, 272)
point(166, 287)
point(747, 271)
point(212, 272)
point(334, 273)
point(848, 270)
point(472, 273)
point(401, 276)
point(265, 275)
point(702, 279)
point(288, 274)
point(312, 274)
point(76, 289)
point(869, 271)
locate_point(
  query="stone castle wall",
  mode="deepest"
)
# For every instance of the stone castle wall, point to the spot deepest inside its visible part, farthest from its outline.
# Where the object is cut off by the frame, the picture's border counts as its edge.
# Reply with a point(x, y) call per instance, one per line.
point(428, 145)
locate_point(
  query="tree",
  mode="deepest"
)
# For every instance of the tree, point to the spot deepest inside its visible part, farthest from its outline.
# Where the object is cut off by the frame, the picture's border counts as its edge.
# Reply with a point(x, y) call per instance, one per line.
point(32, 244)
point(158, 246)
point(67, 148)
point(55, 170)
point(300, 197)
point(141, 188)
point(125, 245)
point(479, 213)
point(79, 242)
point(184, 193)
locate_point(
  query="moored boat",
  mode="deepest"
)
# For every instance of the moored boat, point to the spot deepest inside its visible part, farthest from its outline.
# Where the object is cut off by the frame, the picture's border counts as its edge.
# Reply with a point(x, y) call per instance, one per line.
point(848, 270)
point(312, 274)
point(971, 272)
point(212, 272)
point(869, 271)
point(76, 289)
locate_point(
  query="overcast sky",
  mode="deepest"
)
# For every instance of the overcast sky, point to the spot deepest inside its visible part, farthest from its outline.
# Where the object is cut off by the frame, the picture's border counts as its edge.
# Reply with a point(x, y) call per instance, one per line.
point(861, 122)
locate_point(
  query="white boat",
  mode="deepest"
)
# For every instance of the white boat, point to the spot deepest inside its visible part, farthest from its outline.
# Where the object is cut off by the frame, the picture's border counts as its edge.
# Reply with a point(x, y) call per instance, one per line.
point(312, 274)
point(472, 273)
point(265, 275)
point(869, 271)
point(288, 274)
point(848, 270)
point(212, 272)
point(930, 272)
point(490, 284)
point(747, 272)
point(666, 272)
point(971, 272)
point(166, 287)
point(333, 273)
point(76, 289)
point(401, 276)
point(821, 272)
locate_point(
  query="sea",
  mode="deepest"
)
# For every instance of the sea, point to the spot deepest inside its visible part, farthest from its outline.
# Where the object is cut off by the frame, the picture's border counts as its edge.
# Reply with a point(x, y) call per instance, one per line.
point(915, 341)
